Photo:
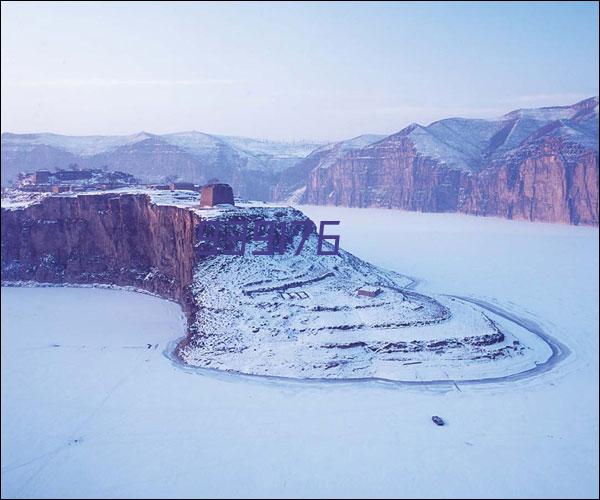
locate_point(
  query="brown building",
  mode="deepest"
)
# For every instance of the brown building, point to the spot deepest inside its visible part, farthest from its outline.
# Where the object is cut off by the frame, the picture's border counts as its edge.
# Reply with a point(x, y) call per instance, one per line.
point(41, 177)
point(216, 194)
point(369, 291)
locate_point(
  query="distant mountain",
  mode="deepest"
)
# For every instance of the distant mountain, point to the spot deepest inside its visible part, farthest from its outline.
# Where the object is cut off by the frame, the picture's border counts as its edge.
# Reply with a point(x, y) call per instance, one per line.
point(534, 164)
point(292, 182)
point(250, 165)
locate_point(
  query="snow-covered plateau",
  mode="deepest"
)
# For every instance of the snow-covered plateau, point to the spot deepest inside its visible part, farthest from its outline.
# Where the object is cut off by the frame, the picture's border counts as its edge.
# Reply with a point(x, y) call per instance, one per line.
point(96, 401)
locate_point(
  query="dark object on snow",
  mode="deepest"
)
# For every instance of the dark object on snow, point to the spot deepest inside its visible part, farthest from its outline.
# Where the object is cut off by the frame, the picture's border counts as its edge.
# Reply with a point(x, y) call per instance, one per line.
point(437, 420)
point(369, 291)
point(216, 194)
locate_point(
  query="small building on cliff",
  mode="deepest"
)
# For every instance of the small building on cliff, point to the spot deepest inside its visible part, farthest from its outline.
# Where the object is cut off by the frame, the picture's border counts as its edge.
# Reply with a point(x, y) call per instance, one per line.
point(216, 194)
point(368, 291)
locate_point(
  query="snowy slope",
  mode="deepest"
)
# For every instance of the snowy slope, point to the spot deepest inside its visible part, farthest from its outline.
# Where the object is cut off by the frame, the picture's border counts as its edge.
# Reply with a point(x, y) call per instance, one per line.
point(256, 152)
point(269, 148)
point(466, 144)
point(328, 154)
point(77, 145)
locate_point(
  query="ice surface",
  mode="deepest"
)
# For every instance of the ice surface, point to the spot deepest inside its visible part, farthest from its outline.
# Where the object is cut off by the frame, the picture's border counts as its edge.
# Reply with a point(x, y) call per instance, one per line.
point(88, 409)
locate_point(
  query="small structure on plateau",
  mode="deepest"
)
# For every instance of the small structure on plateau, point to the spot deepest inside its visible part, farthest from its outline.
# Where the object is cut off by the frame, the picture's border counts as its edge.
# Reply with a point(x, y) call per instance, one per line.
point(369, 291)
point(216, 194)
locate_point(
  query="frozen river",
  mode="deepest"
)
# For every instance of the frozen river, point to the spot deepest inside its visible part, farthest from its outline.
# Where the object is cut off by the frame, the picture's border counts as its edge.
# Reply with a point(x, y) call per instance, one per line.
point(92, 407)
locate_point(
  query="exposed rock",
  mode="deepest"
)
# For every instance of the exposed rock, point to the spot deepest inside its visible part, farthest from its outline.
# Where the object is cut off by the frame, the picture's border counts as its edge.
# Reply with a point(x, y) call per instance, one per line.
point(106, 238)
point(522, 166)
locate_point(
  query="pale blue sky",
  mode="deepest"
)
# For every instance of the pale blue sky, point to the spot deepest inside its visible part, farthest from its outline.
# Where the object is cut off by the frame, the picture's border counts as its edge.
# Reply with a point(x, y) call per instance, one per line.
point(303, 70)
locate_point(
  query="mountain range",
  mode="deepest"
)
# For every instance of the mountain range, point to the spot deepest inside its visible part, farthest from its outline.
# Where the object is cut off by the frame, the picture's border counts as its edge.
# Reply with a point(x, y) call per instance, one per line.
point(533, 164)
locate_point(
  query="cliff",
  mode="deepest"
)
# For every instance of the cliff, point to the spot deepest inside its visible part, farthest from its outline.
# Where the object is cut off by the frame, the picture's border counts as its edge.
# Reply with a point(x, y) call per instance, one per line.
point(538, 165)
point(293, 314)
point(545, 184)
point(114, 239)
point(143, 239)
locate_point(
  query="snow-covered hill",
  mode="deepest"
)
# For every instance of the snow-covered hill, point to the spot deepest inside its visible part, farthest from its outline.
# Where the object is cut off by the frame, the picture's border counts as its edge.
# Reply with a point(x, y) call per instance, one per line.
point(469, 143)
point(190, 156)
point(294, 313)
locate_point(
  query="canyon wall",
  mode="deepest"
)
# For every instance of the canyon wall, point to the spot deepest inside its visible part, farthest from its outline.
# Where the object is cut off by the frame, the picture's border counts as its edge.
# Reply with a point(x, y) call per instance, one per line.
point(115, 239)
point(548, 181)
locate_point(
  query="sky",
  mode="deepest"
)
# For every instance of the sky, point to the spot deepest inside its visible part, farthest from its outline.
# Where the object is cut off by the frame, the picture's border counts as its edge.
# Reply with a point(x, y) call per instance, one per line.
point(319, 71)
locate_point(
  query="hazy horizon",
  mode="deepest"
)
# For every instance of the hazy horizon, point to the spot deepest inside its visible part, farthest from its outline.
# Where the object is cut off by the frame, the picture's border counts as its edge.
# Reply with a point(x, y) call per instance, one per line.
point(283, 139)
point(295, 72)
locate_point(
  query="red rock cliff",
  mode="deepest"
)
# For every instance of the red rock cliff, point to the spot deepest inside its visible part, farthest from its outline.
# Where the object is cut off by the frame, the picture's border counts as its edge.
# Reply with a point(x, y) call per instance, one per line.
point(114, 239)
point(550, 181)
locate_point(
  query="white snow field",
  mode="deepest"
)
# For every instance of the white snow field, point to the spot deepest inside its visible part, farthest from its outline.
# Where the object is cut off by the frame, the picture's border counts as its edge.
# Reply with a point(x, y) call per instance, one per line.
point(92, 407)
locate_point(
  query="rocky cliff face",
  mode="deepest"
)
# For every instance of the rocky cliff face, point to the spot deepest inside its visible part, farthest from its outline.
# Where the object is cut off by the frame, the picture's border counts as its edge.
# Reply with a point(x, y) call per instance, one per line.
point(538, 165)
point(147, 241)
point(546, 184)
point(552, 182)
point(114, 239)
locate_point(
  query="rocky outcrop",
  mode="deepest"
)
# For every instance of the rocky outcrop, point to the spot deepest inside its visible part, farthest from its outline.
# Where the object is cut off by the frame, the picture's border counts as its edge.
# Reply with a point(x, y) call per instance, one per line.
point(257, 313)
point(551, 181)
point(293, 179)
point(114, 239)
point(122, 239)
point(537, 165)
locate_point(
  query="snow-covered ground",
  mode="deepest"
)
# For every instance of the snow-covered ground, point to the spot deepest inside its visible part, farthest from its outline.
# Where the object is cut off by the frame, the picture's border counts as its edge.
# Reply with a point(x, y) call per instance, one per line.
point(92, 407)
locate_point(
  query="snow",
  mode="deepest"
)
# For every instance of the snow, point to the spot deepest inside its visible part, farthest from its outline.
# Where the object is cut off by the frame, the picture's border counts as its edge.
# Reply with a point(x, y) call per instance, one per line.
point(467, 144)
point(550, 113)
point(78, 145)
point(89, 409)
point(266, 147)
point(296, 195)
point(333, 152)
point(448, 150)
point(351, 144)
point(258, 154)
point(14, 200)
